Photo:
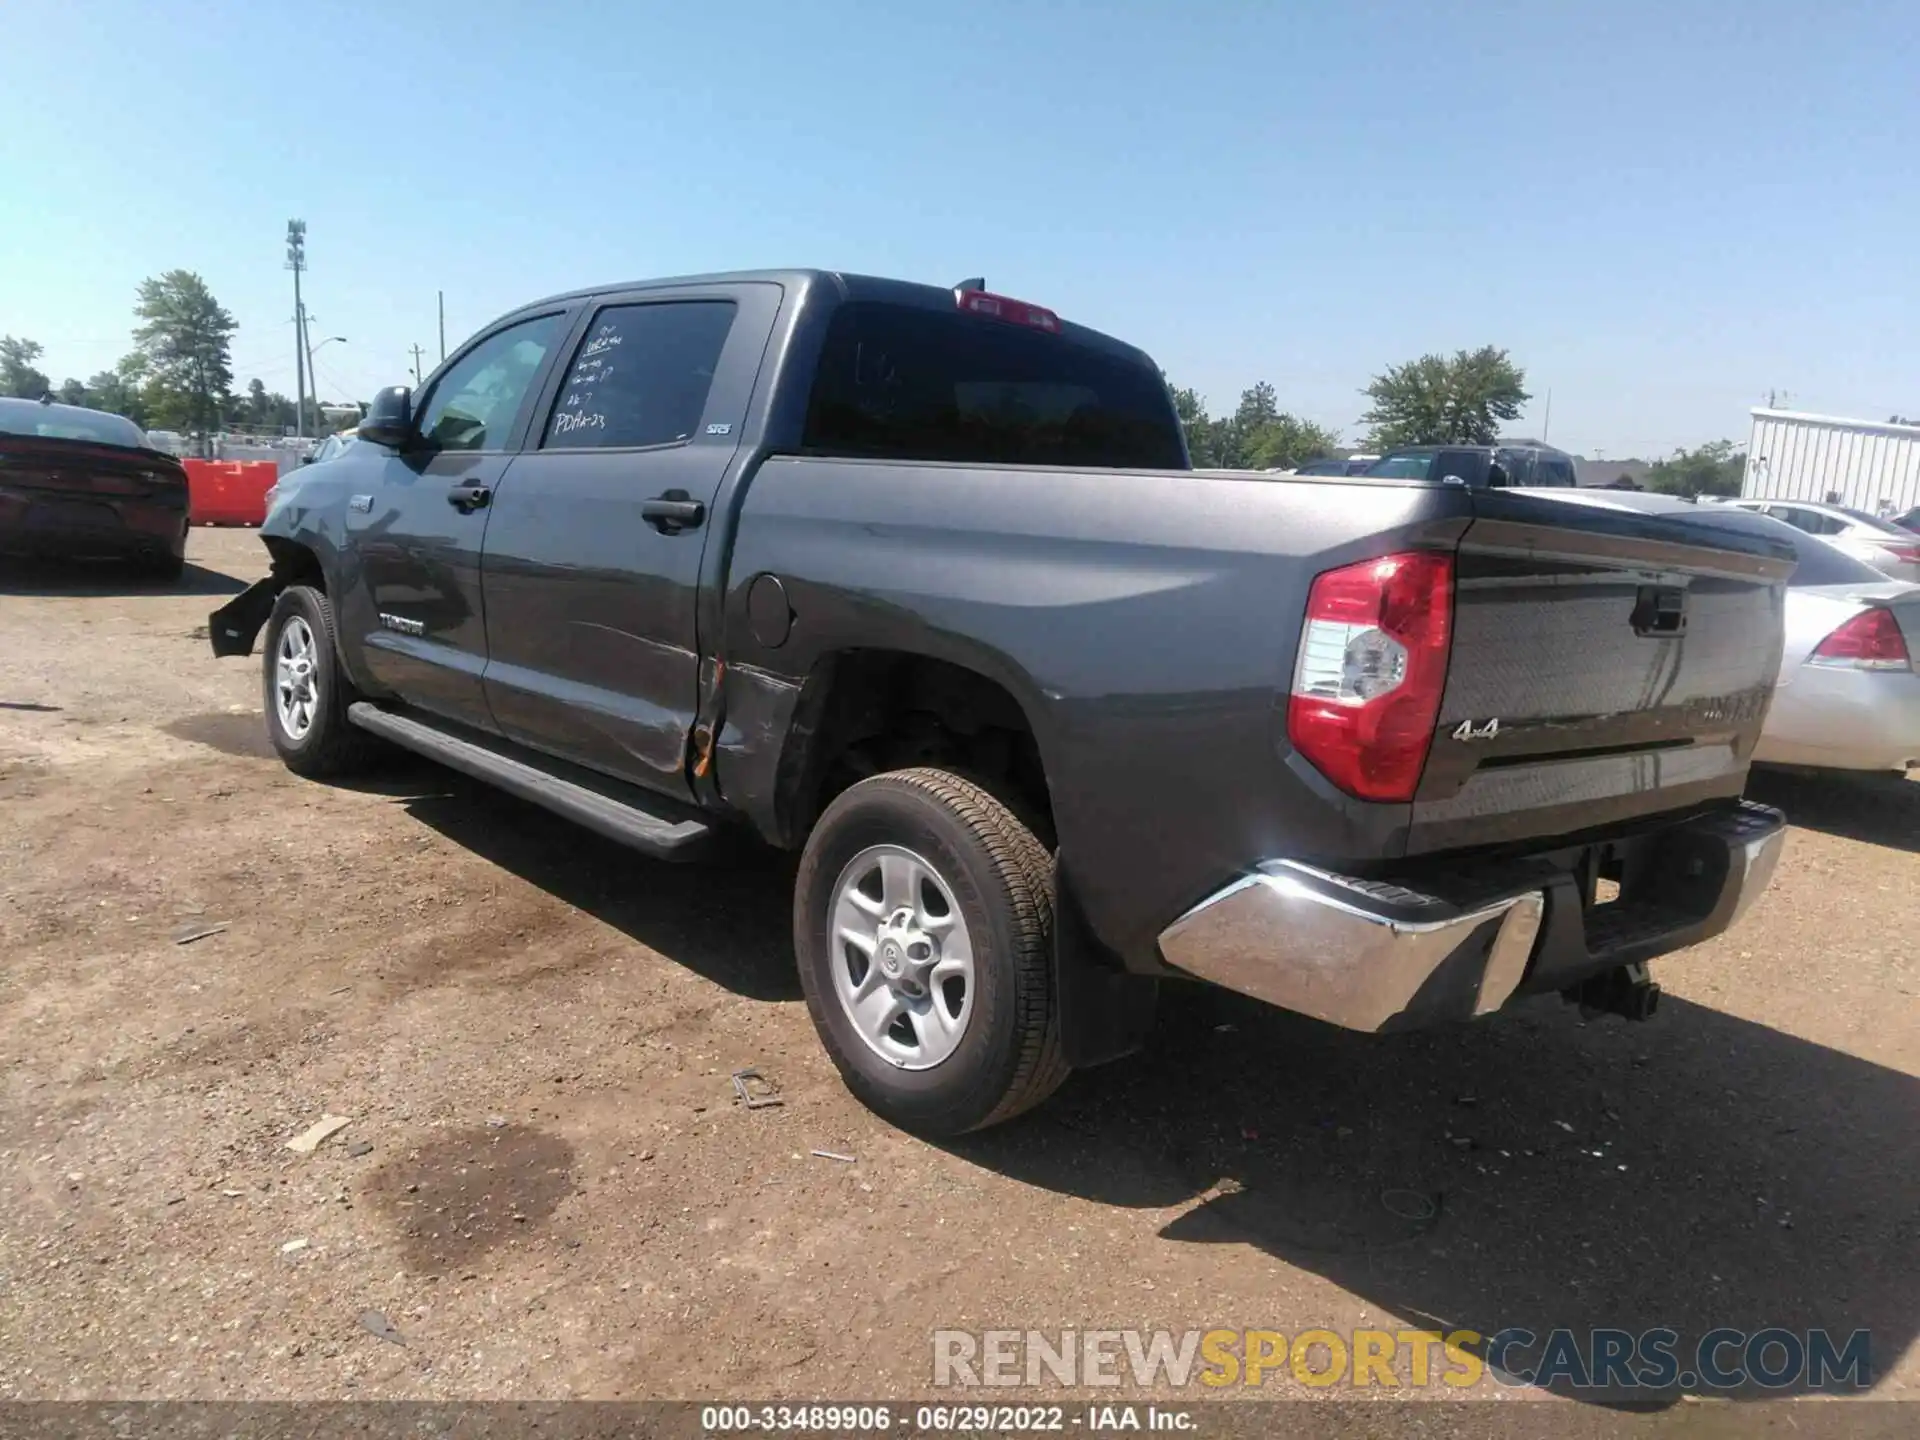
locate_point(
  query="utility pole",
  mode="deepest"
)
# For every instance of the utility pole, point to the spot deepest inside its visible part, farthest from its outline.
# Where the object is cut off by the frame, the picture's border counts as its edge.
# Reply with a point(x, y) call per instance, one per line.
point(296, 262)
point(443, 325)
point(416, 365)
point(313, 375)
point(1546, 425)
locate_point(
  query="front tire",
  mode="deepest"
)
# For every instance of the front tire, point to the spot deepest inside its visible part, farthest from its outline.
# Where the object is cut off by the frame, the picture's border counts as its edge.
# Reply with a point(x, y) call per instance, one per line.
point(306, 693)
point(923, 924)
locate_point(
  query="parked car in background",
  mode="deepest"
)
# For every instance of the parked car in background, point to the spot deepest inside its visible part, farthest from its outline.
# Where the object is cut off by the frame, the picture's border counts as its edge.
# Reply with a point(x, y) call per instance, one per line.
point(80, 482)
point(917, 581)
point(1885, 546)
point(1352, 465)
point(331, 448)
point(1848, 697)
point(1494, 466)
point(1908, 520)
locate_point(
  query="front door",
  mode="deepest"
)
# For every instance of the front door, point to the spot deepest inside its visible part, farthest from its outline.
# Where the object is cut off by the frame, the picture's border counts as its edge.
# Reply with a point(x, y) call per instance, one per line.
point(592, 566)
point(418, 529)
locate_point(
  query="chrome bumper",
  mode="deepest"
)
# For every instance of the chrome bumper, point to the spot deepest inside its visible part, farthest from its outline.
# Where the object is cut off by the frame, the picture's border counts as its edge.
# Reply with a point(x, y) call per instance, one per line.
point(1373, 956)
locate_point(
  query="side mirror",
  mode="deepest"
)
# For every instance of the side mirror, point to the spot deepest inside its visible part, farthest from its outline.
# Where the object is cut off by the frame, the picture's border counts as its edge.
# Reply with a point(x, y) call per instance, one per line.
point(307, 459)
point(389, 420)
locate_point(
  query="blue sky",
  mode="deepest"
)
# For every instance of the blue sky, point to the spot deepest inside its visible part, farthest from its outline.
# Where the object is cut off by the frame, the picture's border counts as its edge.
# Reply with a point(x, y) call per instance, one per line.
point(1663, 209)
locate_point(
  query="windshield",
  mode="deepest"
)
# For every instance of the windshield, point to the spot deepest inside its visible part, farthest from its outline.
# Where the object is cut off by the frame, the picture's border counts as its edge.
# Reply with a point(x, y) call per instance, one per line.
point(904, 383)
point(68, 422)
point(1879, 524)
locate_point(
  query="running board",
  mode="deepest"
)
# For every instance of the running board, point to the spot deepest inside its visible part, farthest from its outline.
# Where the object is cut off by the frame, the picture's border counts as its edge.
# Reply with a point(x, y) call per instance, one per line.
point(654, 825)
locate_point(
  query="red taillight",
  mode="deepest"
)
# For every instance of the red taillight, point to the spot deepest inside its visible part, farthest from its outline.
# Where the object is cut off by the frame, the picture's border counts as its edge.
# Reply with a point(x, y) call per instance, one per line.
point(1871, 640)
point(1000, 307)
point(1372, 665)
point(1906, 554)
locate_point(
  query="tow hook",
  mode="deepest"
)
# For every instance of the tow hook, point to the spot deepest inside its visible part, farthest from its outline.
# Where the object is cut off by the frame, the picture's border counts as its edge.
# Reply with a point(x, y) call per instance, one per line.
point(1624, 990)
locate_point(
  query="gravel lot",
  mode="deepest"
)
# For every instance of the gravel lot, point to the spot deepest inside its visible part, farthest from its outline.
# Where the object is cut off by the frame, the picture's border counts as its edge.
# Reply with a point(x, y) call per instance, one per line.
point(547, 1188)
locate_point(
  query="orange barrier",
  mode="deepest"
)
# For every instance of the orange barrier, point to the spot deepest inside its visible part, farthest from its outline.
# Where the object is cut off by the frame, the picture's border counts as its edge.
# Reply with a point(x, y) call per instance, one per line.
point(229, 492)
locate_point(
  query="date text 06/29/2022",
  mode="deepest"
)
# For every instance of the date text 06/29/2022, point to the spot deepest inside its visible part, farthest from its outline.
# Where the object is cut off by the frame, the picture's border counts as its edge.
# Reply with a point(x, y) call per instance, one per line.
point(961, 1419)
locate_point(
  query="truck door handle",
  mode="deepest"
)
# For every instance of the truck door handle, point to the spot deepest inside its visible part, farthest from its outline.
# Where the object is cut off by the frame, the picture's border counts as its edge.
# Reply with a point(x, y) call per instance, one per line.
point(469, 498)
point(673, 512)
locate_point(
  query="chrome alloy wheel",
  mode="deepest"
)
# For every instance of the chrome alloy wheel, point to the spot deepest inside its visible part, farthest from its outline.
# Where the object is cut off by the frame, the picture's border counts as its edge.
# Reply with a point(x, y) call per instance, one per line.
point(902, 957)
point(296, 688)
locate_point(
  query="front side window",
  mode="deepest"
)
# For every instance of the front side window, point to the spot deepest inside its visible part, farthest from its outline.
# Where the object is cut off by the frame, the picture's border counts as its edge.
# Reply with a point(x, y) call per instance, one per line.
point(474, 404)
point(641, 375)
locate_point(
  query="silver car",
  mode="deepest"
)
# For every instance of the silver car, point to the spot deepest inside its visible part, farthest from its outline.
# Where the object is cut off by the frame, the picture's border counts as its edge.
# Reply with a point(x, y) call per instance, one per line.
point(1881, 544)
point(1848, 697)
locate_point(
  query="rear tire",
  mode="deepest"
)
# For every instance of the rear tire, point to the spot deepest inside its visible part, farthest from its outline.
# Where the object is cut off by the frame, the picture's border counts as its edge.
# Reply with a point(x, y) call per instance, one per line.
point(977, 881)
point(307, 694)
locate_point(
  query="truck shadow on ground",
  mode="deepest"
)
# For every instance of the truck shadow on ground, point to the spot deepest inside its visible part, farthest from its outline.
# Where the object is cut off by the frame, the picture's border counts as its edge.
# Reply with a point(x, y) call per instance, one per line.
point(1693, 1172)
point(99, 578)
point(727, 921)
point(1876, 809)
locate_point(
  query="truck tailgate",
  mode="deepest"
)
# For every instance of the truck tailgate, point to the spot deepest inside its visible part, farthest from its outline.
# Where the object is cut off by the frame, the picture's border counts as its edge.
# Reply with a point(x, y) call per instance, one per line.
point(1606, 665)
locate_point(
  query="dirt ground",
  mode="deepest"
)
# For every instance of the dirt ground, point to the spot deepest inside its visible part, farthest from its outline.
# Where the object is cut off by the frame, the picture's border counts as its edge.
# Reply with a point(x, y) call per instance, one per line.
point(547, 1188)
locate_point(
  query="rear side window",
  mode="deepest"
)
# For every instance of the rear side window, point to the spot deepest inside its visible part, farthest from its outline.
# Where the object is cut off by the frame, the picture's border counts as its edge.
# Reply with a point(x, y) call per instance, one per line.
point(641, 375)
point(901, 383)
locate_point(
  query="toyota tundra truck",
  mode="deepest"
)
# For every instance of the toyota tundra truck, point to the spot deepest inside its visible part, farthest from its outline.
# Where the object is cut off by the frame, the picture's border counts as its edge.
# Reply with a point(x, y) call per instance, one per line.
point(919, 582)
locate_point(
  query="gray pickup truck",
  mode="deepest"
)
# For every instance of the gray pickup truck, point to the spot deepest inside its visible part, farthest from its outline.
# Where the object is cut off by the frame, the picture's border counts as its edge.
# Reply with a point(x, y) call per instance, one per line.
point(918, 581)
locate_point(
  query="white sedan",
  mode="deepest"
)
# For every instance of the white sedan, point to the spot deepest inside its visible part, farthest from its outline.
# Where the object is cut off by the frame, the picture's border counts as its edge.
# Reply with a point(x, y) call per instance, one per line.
point(1848, 697)
point(1892, 551)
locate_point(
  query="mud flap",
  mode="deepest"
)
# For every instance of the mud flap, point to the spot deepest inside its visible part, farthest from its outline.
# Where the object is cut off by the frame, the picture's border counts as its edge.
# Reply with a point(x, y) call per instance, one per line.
point(1106, 1011)
point(234, 627)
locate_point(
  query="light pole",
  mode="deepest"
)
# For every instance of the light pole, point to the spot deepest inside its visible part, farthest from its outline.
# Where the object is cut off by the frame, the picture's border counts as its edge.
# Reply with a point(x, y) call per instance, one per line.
point(313, 375)
point(296, 262)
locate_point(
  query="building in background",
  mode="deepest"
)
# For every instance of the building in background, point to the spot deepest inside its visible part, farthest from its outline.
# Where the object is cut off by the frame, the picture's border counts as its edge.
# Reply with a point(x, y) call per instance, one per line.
point(1858, 463)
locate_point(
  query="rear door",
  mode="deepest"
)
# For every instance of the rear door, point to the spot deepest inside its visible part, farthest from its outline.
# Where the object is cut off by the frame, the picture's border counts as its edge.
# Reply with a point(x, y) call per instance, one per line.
point(417, 528)
point(592, 564)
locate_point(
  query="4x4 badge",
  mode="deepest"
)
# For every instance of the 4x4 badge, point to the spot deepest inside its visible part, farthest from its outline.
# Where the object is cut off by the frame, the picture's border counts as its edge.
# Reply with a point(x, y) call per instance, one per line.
point(1467, 730)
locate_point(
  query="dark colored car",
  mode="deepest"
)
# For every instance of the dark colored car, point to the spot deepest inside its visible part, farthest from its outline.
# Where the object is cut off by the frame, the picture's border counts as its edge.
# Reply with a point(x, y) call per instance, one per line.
point(919, 583)
point(79, 482)
point(1907, 519)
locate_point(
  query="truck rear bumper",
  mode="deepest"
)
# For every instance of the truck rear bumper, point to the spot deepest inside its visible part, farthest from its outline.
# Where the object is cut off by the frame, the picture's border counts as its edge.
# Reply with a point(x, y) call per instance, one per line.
point(1373, 955)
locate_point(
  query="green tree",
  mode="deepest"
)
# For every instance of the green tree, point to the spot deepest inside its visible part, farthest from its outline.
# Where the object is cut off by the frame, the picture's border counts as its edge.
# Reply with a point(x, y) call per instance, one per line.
point(73, 392)
point(1715, 468)
point(1286, 441)
point(183, 345)
point(114, 391)
point(1441, 400)
point(1259, 435)
point(1202, 437)
point(18, 377)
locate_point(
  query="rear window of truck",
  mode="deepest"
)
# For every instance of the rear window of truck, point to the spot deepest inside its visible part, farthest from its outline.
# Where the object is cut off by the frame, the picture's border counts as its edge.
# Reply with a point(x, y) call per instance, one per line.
point(900, 383)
